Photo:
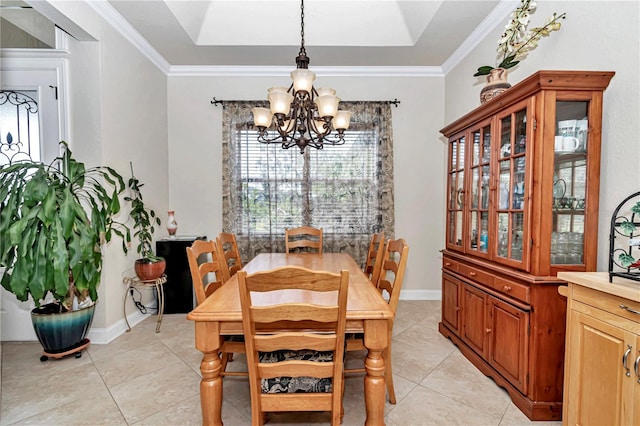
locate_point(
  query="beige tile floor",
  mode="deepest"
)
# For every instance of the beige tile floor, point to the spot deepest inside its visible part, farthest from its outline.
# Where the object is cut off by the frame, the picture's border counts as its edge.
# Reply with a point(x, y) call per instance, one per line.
point(144, 378)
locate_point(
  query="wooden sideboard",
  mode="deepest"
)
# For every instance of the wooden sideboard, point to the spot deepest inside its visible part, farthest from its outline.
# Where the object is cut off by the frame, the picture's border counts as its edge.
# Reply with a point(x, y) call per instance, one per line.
point(602, 358)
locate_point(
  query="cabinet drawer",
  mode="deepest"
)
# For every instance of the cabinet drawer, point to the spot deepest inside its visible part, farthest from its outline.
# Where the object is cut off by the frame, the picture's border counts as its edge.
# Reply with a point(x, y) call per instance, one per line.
point(450, 265)
point(475, 274)
point(512, 289)
point(607, 302)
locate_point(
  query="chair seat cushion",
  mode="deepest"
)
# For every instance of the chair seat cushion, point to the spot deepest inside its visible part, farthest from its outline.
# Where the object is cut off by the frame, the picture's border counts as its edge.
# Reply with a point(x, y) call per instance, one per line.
point(295, 384)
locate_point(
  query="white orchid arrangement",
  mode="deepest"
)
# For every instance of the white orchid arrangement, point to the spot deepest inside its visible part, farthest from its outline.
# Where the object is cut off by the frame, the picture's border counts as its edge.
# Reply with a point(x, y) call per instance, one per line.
point(515, 42)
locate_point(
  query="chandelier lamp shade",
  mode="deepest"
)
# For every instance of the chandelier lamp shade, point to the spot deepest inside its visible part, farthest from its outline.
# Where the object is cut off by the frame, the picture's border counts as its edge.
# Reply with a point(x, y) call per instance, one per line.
point(301, 115)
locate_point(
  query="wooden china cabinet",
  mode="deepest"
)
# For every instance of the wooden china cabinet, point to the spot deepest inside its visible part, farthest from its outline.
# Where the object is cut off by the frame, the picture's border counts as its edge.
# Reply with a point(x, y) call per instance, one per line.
point(522, 205)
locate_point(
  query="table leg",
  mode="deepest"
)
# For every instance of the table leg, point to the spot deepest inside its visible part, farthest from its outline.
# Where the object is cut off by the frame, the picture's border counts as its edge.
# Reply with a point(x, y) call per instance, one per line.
point(375, 340)
point(208, 342)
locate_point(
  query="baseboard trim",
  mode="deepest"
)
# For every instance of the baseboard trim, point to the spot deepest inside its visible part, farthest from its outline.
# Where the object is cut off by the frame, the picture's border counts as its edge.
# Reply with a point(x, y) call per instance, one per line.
point(102, 336)
point(421, 295)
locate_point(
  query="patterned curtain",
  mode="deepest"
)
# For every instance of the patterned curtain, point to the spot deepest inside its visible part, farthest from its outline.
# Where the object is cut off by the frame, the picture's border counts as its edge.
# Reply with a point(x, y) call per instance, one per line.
point(346, 190)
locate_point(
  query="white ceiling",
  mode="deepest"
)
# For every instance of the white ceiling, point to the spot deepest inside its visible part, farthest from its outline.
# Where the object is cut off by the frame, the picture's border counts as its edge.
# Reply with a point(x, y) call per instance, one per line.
point(259, 33)
point(337, 33)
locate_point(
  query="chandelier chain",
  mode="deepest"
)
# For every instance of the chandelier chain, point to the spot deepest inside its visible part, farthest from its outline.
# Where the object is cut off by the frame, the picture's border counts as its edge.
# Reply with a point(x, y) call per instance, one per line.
point(302, 49)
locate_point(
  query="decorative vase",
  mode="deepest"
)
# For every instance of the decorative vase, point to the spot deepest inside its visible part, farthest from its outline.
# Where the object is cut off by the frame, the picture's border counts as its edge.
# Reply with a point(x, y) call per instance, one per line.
point(496, 84)
point(172, 225)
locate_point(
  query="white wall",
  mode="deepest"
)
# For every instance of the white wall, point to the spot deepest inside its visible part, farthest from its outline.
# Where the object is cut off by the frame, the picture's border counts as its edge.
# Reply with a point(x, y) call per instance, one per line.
point(597, 35)
point(195, 133)
point(118, 114)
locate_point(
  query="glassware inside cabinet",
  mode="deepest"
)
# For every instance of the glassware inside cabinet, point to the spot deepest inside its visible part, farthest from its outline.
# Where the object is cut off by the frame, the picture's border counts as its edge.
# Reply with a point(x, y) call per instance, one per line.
point(504, 192)
point(456, 192)
point(517, 237)
point(511, 194)
point(569, 183)
point(478, 231)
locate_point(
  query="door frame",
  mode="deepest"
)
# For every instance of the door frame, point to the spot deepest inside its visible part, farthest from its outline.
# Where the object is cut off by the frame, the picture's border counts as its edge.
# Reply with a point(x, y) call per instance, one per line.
point(14, 313)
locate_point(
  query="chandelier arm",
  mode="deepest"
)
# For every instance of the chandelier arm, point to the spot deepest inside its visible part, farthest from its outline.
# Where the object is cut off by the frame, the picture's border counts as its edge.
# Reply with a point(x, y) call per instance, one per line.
point(329, 139)
point(263, 137)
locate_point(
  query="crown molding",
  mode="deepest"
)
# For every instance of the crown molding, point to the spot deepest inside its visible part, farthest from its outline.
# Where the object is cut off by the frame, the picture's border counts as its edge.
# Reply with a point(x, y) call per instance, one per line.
point(15, 53)
point(280, 71)
point(109, 14)
point(493, 19)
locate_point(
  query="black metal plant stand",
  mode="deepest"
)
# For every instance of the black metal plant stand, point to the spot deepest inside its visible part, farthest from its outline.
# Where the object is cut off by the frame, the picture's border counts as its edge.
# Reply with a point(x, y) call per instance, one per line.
point(624, 239)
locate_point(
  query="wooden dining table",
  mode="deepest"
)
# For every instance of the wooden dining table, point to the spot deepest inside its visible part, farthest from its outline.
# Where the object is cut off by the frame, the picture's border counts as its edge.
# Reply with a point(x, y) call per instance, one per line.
point(220, 315)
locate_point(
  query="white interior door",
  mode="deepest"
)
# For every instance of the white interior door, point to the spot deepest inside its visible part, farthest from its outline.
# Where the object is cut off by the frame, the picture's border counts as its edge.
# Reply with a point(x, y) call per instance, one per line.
point(42, 85)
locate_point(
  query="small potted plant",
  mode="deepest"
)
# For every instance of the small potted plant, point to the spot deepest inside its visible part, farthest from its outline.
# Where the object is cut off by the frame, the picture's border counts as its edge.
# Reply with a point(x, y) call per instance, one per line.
point(149, 266)
point(54, 220)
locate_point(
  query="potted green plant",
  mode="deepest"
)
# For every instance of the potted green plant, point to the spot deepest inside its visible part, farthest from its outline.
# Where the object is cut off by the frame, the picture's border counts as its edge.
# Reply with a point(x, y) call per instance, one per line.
point(148, 266)
point(54, 219)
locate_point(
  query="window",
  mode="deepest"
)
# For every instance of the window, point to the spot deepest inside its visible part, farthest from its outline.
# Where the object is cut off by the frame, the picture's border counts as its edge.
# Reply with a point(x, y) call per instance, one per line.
point(19, 126)
point(346, 190)
point(31, 112)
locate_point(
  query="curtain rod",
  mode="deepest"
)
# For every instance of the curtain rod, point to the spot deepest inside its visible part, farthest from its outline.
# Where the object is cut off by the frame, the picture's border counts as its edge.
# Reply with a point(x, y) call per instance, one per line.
point(217, 102)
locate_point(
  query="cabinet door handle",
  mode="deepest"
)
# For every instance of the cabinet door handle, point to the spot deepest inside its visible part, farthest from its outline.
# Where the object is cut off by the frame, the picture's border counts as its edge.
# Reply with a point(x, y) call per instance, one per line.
point(636, 368)
point(447, 263)
point(506, 288)
point(624, 361)
point(488, 330)
point(473, 274)
point(626, 308)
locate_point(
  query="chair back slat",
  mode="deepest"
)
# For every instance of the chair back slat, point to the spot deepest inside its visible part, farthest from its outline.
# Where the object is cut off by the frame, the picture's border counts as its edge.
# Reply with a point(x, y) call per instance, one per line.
point(295, 341)
point(392, 273)
point(206, 269)
point(303, 238)
point(298, 312)
point(228, 249)
point(373, 264)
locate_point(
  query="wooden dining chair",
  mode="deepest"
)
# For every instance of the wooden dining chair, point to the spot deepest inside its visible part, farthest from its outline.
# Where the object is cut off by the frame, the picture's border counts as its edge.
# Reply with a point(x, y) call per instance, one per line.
point(394, 262)
point(207, 274)
point(373, 264)
point(290, 368)
point(228, 249)
point(303, 239)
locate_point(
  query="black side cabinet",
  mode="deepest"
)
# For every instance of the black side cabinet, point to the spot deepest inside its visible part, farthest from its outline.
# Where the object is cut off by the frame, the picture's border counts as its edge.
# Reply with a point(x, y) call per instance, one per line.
point(178, 290)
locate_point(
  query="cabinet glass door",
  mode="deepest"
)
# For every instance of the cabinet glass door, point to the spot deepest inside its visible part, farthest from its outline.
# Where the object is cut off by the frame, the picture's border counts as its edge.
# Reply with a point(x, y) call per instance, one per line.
point(569, 182)
point(511, 189)
point(478, 207)
point(455, 184)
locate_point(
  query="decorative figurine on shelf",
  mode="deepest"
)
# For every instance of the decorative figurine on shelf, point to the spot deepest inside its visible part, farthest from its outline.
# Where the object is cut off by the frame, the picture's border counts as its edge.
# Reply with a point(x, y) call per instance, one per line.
point(172, 225)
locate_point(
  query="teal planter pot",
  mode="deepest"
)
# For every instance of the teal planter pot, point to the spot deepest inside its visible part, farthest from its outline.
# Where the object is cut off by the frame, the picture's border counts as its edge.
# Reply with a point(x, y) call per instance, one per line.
point(61, 333)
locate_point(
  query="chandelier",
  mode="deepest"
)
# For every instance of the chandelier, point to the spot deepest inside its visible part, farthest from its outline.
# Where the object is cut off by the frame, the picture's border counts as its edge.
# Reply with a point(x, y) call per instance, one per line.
point(301, 115)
